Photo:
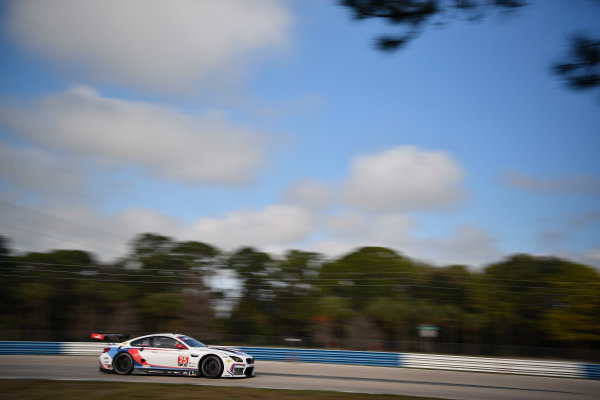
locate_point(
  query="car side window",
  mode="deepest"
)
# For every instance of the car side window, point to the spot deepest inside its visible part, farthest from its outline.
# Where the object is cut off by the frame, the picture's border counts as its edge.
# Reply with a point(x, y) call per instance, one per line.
point(164, 342)
point(143, 342)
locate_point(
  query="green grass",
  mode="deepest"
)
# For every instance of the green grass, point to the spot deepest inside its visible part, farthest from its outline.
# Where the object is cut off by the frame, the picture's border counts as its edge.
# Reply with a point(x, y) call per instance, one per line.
point(51, 390)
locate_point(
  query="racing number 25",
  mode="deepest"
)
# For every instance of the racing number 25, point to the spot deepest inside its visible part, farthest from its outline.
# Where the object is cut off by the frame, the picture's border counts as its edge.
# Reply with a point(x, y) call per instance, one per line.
point(182, 360)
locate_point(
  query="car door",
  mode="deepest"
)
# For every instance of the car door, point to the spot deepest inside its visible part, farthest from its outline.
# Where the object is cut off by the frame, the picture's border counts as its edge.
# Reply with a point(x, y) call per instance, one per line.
point(139, 350)
point(165, 353)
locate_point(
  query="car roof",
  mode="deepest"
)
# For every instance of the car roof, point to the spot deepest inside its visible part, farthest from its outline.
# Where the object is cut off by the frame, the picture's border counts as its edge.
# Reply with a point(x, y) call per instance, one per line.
point(173, 335)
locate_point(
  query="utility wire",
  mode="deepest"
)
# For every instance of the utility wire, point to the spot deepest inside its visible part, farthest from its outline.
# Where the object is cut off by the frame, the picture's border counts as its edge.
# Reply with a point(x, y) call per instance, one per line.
point(271, 282)
point(392, 286)
point(54, 236)
point(61, 220)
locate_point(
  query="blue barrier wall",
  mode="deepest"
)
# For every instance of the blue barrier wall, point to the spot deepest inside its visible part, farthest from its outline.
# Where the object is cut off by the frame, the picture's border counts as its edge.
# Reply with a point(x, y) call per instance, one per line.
point(325, 356)
point(592, 371)
point(31, 348)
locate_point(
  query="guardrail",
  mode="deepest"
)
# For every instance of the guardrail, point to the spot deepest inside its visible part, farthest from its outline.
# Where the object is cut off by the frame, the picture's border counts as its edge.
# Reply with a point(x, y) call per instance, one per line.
point(376, 358)
point(81, 348)
point(495, 365)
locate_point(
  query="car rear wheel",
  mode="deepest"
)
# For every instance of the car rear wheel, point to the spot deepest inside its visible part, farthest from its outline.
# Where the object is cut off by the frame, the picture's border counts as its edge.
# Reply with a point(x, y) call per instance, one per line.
point(123, 364)
point(212, 367)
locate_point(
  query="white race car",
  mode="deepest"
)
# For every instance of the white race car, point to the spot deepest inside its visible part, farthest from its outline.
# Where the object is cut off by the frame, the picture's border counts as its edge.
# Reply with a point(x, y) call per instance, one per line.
point(170, 353)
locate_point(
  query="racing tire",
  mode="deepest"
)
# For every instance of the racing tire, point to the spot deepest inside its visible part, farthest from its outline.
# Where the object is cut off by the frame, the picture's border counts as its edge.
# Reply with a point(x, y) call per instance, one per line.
point(211, 367)
point(123, 364)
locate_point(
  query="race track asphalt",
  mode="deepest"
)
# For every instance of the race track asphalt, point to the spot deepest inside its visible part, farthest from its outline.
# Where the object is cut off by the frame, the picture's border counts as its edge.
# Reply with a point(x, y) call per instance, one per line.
point(345, 378)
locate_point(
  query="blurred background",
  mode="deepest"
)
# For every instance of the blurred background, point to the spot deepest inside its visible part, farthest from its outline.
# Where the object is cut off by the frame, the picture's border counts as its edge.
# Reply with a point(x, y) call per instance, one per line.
point(407, 176)
point(370, 299)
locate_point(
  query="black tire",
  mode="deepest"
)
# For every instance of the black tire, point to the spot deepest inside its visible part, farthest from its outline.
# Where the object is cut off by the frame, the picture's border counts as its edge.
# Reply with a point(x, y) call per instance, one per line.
point(211, 367)
point(123, 364)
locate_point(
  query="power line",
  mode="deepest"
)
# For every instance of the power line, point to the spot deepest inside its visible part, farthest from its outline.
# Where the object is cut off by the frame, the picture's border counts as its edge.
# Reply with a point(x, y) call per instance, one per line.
point(236, 297)
point(392, 273)
point(549, 291)
point(105, 280)
point(340, 278)
point(53, 236)
point(96, 273)
point(271, 283)
point(62, 220)
point(406, 282)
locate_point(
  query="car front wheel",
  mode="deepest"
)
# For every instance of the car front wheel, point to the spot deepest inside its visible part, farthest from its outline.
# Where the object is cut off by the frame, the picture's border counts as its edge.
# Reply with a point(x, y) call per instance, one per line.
point(212, 367)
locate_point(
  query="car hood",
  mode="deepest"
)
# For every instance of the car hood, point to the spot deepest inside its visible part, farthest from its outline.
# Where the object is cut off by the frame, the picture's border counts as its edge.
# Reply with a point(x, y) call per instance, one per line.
point(228, 350)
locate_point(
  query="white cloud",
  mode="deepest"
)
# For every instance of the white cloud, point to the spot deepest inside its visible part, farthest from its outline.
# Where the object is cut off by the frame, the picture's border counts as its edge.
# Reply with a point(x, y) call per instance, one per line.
point(347, 223)
point(350, 229)
point(580, 184)
point(468, 245)
point(274, 225)
point(404, 178)
point(28, 172)
point(589, 256)
point(274, 229)
point(384, 229)
point(42, 228)
point(155, 138)
point(309, 193)
point(164, 45)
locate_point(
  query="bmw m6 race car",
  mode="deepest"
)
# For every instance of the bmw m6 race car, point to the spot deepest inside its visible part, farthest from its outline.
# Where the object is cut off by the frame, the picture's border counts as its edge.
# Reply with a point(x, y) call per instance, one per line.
point(169, 353)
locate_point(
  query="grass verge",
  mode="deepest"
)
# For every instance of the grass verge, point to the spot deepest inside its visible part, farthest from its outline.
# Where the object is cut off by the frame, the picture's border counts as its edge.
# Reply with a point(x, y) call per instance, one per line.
point(61, 390)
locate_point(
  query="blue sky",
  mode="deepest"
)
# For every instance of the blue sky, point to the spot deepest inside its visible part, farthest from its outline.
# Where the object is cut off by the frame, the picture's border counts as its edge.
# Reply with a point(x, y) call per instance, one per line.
point(276, 124)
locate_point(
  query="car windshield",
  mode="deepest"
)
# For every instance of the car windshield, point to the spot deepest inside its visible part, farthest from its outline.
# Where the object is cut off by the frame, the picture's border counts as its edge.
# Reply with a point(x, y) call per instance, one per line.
point(191, 341)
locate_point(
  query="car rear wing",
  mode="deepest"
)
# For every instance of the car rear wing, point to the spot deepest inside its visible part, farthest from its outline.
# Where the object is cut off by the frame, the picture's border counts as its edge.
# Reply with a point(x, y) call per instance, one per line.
point(110, 337)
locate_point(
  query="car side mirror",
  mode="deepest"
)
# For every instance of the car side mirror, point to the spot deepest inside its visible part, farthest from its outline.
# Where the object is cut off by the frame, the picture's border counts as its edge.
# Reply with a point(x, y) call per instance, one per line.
point(180, 346)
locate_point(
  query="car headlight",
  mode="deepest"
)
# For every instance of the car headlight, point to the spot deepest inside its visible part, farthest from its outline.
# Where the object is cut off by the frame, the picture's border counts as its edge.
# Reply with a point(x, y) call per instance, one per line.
point(236, 359)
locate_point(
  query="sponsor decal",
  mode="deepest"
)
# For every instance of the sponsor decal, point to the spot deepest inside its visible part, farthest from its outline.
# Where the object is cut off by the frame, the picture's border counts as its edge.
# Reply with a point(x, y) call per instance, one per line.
point(183, 361)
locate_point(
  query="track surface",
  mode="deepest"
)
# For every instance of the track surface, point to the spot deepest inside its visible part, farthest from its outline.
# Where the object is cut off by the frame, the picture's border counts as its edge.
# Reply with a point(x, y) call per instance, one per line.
point(348, 378)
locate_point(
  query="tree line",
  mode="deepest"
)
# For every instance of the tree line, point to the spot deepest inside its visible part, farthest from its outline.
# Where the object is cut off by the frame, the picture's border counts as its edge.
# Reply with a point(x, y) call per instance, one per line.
point(370, 298)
